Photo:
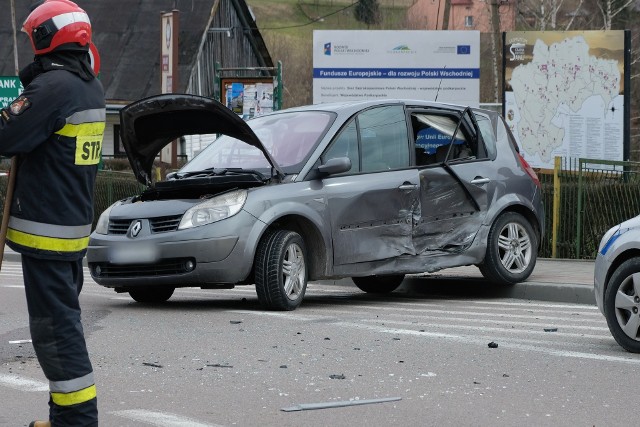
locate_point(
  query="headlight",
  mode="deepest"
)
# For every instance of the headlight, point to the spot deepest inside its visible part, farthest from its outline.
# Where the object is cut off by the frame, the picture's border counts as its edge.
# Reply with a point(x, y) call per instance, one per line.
point(215, 209)
point(102, 227)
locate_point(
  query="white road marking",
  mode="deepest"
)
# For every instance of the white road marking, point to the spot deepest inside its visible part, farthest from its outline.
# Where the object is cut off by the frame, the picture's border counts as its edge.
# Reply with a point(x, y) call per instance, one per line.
point(428, 311)
point(533, 304)
point(23, 384)
point(584, 310)
point(160, 419)
point(20, 342)
point(538, 327)
point(472, 338)
point(482, 341)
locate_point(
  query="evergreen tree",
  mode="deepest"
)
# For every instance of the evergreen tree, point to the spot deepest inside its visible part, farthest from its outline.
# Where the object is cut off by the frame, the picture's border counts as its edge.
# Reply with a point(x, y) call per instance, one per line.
point(368, 12)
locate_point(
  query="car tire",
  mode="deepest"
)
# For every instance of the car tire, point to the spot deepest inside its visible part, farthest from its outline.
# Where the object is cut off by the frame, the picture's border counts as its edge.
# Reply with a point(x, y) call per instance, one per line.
point(379, 284)
point(281, 270)
point(512, 250)
point(151, 295)
point(622, 305)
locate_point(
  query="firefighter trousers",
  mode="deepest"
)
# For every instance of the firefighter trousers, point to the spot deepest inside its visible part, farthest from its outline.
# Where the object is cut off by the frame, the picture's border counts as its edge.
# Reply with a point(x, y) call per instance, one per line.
point(52, 288)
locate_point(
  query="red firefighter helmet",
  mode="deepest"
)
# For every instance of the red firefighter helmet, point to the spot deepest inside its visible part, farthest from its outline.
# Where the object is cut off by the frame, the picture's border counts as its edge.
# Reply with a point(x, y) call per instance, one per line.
point(58, 25)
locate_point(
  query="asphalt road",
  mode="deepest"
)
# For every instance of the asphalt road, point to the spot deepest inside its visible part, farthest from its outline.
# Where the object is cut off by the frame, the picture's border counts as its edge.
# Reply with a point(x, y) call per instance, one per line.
point(214, 358)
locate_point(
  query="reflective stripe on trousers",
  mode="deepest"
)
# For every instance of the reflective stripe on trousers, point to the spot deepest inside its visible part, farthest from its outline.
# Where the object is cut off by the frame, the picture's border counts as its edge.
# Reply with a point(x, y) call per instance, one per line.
point(52, 289)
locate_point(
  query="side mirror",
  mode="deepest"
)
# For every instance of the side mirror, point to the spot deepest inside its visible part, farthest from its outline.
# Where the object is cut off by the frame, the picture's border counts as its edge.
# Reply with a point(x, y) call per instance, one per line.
point(170, 176)
point(335, 165)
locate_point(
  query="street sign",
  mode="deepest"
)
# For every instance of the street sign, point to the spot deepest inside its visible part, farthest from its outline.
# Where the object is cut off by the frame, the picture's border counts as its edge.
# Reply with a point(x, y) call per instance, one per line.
point(10, 88)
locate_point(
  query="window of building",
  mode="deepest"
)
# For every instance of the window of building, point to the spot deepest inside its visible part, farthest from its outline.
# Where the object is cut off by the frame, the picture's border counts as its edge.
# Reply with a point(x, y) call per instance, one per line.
point(468, 21)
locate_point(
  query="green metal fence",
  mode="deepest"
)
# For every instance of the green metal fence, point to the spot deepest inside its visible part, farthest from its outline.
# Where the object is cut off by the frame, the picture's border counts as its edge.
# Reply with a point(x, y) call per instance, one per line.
point(112, 186)
point(595, 195)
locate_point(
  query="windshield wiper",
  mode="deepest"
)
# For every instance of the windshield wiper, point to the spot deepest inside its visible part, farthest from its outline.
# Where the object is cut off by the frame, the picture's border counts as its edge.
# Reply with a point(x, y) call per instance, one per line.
point(219, 172)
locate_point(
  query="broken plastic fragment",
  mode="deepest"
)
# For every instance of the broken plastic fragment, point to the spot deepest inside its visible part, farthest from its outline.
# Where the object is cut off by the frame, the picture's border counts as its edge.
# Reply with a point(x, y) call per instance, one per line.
point(154, 365)
point(325, 405)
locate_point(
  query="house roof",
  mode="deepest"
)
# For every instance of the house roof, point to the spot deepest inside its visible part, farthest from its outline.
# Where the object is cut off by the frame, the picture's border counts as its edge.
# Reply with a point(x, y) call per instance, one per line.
point(127, 34)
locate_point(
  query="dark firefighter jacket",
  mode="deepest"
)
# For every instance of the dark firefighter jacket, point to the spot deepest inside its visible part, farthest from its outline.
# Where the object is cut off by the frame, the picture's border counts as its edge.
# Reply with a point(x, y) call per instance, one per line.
point(56, 128)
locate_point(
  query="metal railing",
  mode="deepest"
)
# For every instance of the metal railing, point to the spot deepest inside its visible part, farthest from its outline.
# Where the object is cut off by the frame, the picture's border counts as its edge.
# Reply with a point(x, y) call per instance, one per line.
point(583, 199)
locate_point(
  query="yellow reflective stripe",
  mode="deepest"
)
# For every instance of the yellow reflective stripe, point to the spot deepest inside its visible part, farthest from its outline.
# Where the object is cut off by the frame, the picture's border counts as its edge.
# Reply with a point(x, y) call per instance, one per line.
point(88, 141)
point(73, 398)
point(83, 129)
point(47, 243)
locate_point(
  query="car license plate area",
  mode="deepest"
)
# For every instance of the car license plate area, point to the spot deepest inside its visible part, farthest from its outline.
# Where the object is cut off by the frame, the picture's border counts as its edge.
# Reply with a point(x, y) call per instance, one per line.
point(133, 253)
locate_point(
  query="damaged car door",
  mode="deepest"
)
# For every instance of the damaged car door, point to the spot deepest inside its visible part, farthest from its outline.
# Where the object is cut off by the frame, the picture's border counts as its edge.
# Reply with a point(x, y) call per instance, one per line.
point(372, 206)
point(455, 174)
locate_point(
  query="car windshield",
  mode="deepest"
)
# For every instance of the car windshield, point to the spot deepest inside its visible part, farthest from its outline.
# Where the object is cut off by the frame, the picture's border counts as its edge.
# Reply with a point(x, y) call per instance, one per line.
point(288, 137)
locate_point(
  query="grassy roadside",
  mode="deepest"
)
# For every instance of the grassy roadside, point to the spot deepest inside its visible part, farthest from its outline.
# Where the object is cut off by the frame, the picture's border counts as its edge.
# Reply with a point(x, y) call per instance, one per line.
point(287, 27)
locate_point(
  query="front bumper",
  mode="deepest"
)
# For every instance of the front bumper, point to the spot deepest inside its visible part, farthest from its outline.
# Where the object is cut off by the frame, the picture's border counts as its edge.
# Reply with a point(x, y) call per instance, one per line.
point(194, 257)
point(601, 268)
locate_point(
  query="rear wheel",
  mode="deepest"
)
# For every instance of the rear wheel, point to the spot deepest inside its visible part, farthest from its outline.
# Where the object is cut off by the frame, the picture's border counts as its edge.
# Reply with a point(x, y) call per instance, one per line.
point(151, 295)
point(512, 250)
point(281, 270)
point(622, 305)
point(379, 284)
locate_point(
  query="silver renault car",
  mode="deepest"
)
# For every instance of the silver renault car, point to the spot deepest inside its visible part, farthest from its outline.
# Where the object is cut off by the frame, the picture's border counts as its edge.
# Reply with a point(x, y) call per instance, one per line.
point(371, 190)
point(617, 282)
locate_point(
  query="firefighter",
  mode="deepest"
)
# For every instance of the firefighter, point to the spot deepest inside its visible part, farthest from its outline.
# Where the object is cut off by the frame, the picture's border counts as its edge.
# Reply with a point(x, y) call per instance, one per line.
point(55, 128)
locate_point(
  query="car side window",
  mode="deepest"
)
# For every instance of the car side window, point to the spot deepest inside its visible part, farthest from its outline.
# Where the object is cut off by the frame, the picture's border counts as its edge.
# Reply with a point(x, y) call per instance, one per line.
point(488, 135)
point(345, 145)
point(438, 138)
point(384, 140)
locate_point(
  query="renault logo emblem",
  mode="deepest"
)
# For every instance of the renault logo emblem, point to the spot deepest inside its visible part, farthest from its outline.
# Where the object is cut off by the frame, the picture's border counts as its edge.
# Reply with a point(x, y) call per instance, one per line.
point(135, 228)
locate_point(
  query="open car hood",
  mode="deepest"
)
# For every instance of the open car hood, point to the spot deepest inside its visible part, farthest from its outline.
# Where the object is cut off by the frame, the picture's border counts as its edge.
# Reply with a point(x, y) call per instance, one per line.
point(148, 125)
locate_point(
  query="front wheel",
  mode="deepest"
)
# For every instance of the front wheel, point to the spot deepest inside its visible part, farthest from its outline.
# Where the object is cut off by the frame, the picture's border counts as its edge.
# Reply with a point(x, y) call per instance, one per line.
point(281, 270)
point(622, 305)
point(512, 250)
point(379, 284)
point(151, 295)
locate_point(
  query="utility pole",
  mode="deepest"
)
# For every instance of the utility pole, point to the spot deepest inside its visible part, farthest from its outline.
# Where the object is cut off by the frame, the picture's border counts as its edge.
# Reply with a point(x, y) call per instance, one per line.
point(445, 17)
point(15, 39)
point(495, 54)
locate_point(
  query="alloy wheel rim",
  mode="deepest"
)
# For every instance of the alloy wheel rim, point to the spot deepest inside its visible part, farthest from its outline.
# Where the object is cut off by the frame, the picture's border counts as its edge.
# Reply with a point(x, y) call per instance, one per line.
point(627, 306)
point(514, 247)
point(293, 271)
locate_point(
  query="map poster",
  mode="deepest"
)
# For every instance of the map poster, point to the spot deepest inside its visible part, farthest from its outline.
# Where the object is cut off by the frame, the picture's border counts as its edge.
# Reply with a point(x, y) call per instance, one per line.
point(566, 94)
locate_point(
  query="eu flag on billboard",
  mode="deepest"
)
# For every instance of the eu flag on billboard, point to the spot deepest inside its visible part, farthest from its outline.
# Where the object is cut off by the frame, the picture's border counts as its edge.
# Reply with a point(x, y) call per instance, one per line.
point(464, 49)
point(327, 48)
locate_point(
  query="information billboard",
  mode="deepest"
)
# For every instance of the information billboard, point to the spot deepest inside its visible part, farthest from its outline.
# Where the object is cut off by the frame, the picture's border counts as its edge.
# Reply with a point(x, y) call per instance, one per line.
point(428, 65)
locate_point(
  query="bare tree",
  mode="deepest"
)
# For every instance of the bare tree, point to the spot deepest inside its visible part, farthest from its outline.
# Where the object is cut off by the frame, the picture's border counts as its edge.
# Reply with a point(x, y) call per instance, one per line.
point(544, 15)
point(495, 37)
point(610, 9)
